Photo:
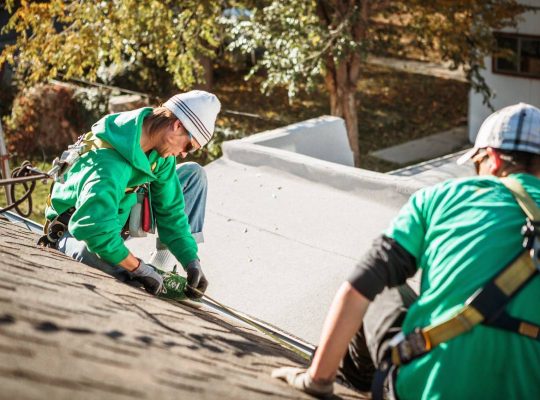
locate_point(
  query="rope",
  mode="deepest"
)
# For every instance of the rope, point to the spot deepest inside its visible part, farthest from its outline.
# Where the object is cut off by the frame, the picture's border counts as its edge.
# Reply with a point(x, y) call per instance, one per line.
point(25, 175)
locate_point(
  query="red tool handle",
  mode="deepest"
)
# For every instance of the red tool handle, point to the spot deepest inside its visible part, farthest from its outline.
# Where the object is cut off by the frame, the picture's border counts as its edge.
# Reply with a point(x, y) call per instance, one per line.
point(146, 219)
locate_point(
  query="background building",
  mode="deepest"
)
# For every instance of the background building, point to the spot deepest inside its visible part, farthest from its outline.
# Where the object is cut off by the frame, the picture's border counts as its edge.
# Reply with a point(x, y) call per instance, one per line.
point(513, 79)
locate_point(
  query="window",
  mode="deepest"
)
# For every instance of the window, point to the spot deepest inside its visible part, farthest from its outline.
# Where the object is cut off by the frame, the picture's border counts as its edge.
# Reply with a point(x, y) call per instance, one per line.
point(517, 55)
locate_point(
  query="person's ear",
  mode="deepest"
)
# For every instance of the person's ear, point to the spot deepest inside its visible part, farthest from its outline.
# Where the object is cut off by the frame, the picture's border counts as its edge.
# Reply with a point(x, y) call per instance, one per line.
point(176, 125)
point(495, 161)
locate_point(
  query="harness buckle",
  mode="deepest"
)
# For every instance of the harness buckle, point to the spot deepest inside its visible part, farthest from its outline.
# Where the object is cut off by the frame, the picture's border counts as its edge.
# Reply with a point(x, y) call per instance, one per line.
point(62, 164)
point(535, 252)
point(407, 348)
point(530, 231)
point(66, 160)
point(531, 240)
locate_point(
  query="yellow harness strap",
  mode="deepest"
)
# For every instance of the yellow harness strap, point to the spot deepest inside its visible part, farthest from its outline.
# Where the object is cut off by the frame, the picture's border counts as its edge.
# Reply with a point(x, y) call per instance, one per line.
point(525, 201)
point(91, 142)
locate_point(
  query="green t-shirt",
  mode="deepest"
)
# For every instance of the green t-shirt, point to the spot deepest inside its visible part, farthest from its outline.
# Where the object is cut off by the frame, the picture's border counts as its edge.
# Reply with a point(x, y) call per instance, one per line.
point(462, 232)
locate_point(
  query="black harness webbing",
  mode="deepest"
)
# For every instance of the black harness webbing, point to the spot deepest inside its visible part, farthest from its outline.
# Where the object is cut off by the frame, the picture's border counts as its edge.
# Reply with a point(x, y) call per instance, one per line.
point(507, 322)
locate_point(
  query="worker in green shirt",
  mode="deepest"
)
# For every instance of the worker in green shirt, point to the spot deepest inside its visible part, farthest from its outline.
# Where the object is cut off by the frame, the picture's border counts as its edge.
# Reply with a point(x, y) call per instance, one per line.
point(460, 234)
point(133, 156)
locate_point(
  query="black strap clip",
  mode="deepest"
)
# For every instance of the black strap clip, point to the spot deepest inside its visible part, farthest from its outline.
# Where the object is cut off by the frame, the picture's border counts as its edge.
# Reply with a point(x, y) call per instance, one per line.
point(531, 240)
point(530, 232)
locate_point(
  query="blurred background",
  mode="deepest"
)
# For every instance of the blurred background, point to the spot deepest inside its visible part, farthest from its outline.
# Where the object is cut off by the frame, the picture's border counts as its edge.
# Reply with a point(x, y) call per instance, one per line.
point(394, 71)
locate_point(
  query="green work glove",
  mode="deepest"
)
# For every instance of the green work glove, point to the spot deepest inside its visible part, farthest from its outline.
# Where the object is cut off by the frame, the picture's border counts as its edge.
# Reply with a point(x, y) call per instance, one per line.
point(195, 280)
point(150, 279)
point(300, 379)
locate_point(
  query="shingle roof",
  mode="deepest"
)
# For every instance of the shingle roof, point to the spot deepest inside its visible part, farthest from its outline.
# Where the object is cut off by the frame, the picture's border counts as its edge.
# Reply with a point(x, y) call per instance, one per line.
point(69, 331)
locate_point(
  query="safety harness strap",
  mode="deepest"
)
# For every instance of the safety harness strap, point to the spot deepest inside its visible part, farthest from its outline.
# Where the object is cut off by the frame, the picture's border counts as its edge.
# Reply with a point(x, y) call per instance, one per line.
point(84, 144)
point(525, 201)
point(487, 304)
point(526, 328)
point(91, 142)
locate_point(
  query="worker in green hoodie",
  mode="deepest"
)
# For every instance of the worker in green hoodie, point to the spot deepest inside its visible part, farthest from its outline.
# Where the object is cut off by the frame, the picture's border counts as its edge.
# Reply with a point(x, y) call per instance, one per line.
point(135, 152)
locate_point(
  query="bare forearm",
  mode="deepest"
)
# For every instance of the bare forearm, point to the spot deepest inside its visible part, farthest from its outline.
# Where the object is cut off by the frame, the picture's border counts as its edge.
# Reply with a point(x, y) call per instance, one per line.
point(130, 262)
point(342, 322)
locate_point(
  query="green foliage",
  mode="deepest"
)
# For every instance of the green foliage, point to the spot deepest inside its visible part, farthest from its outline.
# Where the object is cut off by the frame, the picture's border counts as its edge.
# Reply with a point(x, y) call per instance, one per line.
point(462, 31)
point(290, 34)
point(76, 38)
point(304, 40)
point(45, 119)
point(93, 105)
point(212, 151)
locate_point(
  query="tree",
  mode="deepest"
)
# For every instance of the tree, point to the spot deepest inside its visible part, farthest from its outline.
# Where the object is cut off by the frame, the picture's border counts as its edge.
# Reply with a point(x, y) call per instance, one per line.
point(77, 38)
point(304, 41)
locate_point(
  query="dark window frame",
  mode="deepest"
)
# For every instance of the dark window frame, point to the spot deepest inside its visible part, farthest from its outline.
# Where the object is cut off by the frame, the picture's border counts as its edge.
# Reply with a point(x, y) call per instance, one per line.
point(517, 36)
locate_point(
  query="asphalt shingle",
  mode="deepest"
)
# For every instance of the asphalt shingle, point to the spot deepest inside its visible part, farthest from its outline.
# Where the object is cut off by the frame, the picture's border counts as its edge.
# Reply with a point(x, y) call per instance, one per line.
point(70, 331)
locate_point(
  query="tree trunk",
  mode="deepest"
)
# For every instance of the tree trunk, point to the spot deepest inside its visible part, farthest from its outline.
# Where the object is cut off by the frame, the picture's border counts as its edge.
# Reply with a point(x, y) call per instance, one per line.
point(342, 73)
point(343, 103)
point(351, 122)
point(208, 84)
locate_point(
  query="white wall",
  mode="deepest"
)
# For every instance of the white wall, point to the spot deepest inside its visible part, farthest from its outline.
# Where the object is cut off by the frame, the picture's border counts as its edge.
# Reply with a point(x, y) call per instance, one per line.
point(324, 138)
point(508, 89)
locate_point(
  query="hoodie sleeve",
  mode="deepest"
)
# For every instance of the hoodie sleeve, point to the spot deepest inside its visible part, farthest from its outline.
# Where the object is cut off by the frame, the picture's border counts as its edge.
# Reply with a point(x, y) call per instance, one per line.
point(103, 180)
point(172, 221)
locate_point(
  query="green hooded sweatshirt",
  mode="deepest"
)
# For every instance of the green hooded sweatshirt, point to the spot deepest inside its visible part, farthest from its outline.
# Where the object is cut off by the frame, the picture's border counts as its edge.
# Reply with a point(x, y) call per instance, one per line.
point(96, 186)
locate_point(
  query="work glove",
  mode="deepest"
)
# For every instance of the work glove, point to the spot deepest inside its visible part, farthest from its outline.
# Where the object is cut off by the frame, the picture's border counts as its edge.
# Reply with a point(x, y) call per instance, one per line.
point(300, 379)
point(195, 280)
point(150, 279)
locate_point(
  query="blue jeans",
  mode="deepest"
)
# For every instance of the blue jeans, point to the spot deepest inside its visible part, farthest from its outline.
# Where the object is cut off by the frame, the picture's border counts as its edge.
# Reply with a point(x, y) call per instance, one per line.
point(194, 185)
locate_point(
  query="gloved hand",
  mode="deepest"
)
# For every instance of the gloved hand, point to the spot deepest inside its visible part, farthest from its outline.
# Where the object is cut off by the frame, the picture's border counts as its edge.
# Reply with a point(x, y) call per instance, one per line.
point(300, 379)
point(150, 279)
point(195, 280)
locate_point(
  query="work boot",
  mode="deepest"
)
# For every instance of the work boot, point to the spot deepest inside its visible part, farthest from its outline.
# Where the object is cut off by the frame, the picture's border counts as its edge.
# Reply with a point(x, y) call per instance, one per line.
point(162, 258)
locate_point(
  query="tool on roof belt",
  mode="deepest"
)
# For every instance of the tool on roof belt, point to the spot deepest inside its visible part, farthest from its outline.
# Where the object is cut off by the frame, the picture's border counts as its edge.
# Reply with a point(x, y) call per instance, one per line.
point(487, 305)
point(141, 219)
